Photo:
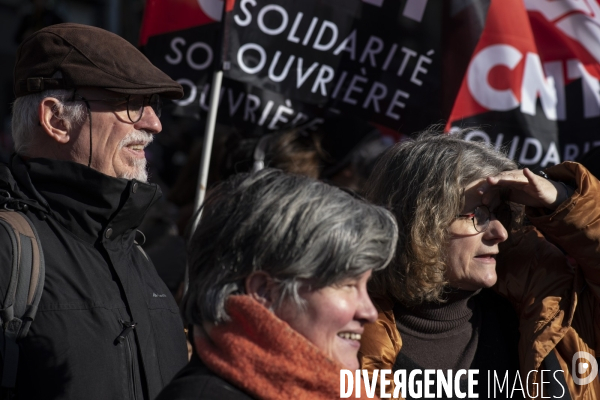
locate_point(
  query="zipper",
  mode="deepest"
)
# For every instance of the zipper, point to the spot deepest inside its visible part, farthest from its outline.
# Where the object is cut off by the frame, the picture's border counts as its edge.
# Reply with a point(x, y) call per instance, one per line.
point(132, 365)
point(128, 327)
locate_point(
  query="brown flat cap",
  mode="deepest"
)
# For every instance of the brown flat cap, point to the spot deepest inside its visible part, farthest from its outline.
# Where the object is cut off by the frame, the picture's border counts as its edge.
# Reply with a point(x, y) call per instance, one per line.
point(65, 56)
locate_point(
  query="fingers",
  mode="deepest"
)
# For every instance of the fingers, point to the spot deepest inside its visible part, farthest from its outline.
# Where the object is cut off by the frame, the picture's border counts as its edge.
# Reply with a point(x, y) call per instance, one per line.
point(534, 179)
point(508, 178)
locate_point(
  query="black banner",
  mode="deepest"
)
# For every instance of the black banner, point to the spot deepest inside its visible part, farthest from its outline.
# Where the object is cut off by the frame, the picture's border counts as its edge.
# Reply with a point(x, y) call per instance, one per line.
point(378, 59)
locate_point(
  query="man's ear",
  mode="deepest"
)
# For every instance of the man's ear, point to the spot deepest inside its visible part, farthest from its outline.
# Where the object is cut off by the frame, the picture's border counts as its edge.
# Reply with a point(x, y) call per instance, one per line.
point(262, 287)
point(51, 121)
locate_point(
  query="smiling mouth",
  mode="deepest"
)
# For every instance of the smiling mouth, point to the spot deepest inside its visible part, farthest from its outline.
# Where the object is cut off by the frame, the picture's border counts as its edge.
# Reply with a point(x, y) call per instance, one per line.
point(137, 145)
point(350, 335)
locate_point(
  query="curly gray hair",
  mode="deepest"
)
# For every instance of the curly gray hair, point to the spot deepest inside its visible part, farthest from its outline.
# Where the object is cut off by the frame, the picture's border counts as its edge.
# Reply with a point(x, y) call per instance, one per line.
point(421, 181)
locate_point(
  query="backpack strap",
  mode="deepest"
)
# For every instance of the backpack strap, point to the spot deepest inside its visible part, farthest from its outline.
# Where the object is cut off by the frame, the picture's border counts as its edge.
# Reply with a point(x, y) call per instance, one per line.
point(24, 290)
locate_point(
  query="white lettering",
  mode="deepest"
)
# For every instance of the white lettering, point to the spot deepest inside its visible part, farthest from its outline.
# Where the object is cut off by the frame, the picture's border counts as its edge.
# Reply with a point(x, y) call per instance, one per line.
point(418, 69)
point(292, 35)
point(209, 56)
point(354, 88)
point(265, 113)
point(193, 92)
point(325, 75)
point(234, 105)
point(374, 96)
point(400, 384)
point(523, 159)
point(248, 20)
point(395, 103)
point(444, 383)
point(428, 381)
point(383, 382)
point(334, 35)
point(517, 379)
point(477, 77)
point(555, 70)
point(349, 45)
point(389, 57)
point(303, 77)
point(346, 390)
point(370, 384)
point(374, 46)
point(471, 383)
point(551, 156)
point(279, 117)
point(252, 104)
point(261, 19)
point(408, 53)
point(457, 392)
point(261, 63)
point(310, 31)
point(412, 384)
point(286, 69)
point(535, 84)
point(178, 55)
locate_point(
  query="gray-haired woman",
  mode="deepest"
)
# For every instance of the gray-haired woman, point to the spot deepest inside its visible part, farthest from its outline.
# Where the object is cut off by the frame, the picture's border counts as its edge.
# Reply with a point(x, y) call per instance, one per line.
point(278, 272)
point(456, 205)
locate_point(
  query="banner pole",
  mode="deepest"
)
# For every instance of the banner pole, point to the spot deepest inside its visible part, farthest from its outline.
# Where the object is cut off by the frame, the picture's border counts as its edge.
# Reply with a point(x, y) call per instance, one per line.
point(209, 133)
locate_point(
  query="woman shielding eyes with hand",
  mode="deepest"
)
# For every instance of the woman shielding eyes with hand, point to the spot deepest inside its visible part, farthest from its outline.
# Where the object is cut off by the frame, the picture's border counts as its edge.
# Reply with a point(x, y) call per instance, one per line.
point(474, 287)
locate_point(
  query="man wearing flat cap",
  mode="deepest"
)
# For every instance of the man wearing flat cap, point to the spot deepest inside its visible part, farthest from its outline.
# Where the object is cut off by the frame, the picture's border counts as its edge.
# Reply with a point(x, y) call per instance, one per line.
point(87, 103)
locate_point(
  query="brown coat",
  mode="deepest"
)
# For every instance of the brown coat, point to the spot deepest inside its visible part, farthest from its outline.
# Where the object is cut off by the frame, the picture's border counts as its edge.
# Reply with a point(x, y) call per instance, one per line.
point(558, 304)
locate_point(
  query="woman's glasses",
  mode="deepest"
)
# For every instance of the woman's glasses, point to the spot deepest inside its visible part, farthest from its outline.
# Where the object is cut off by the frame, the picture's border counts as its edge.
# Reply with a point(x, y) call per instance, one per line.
point(482, 215)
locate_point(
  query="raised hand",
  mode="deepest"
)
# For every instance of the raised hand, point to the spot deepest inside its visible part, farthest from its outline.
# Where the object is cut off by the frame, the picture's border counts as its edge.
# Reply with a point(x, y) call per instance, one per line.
point(525, 187)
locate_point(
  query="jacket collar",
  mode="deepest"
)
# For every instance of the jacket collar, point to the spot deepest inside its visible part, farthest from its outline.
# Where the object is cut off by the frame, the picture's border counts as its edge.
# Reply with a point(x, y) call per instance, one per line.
point(83, 200)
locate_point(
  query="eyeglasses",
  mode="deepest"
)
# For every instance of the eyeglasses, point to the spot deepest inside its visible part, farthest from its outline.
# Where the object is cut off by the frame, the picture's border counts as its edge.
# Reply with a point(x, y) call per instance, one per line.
point(131, 106)
point(482, 215)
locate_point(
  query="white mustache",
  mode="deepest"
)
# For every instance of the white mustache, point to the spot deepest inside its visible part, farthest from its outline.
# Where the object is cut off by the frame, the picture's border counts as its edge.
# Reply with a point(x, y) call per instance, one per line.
point(139, 137)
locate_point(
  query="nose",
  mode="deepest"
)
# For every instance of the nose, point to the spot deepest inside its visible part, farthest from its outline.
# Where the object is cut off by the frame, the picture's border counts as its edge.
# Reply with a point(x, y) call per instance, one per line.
point(496, 232)
point(149, 121)
point(366, 311)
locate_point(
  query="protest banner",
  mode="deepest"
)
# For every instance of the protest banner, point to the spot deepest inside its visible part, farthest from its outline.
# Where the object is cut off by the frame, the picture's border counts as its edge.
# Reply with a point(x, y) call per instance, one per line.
point(359, 58)
point(532, 84)
point(522, 73)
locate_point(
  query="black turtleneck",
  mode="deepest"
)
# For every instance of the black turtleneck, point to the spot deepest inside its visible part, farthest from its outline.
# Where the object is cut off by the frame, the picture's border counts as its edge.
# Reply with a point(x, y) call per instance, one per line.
point(470, 330)
point(441, 335)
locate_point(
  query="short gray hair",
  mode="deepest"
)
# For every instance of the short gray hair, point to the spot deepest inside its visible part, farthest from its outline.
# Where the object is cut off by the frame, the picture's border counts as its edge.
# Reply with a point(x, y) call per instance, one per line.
point(302, 232)
point(26, 118)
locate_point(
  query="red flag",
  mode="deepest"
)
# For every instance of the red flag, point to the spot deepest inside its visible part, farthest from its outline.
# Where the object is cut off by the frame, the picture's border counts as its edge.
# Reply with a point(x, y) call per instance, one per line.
point(163, 16)
point(494, 78)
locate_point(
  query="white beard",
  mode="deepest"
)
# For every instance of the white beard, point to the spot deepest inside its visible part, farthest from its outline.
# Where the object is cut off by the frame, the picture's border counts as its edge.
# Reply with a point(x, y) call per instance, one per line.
point(137, 167)
point(139, 171)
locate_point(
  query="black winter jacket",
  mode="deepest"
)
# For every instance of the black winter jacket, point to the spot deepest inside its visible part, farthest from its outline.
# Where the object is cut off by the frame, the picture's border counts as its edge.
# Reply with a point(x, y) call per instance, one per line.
point(96, 279)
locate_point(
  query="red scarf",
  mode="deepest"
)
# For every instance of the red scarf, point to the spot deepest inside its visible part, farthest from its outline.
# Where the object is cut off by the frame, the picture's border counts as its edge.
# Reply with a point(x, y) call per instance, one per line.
point(263, 356)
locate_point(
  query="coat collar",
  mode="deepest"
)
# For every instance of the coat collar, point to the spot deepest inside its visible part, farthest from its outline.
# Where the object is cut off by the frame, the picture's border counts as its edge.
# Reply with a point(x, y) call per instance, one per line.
point(85, 201)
